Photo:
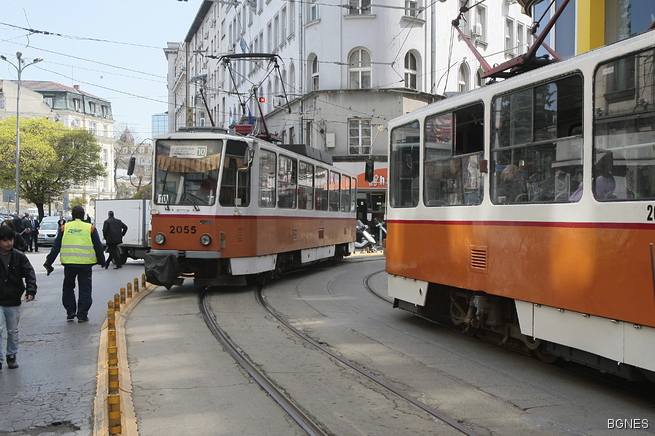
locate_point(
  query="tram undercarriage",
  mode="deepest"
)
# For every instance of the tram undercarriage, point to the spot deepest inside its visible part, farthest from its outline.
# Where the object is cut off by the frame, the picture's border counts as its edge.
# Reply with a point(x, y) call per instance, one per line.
point(169, 269)
point(494, 319)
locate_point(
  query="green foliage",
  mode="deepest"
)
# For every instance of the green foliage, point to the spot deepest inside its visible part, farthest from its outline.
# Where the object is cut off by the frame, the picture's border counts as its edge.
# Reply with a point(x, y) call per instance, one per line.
point(52, 158)
point(144, 192)
point(79, 201)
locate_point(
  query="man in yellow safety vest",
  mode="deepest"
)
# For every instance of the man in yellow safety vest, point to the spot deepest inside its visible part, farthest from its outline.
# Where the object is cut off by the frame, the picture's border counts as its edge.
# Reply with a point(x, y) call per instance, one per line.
point(79, 248)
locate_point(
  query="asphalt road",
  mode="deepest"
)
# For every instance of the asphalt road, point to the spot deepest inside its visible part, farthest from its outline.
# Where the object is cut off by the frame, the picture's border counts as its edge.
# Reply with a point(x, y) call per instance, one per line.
point(52, 391)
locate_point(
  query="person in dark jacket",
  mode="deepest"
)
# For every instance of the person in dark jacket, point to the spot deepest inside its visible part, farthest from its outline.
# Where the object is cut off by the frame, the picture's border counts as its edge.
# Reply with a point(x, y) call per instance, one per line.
point(113, 231)
point(79, 247)
point(19, 242)
point(16, 277)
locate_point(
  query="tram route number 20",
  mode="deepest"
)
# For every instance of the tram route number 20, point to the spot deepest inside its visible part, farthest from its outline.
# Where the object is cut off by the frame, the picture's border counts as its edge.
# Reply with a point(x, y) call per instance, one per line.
point(183, 229)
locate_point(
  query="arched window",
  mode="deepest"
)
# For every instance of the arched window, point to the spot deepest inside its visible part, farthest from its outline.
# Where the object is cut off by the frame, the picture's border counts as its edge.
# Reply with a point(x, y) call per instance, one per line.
point(479, 78)
point(360, 69)
point(411, 68)
point(463, 82)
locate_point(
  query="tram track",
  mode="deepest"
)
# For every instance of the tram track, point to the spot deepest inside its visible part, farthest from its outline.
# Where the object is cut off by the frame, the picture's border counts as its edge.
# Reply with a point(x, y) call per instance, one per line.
point(304, 419)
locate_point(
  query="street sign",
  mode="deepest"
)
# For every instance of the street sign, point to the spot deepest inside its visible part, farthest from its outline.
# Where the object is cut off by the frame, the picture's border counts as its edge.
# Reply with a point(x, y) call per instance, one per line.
point(8, 196)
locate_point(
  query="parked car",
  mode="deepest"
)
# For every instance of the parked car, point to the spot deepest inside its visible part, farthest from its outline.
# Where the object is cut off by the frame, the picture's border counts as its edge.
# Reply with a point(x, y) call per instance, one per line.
point(48, 232)
point(48, 229)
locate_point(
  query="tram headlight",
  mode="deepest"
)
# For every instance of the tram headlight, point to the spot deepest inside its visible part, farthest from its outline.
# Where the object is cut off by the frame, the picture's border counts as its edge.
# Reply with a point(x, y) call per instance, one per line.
point(160, 238)
point(205, 239)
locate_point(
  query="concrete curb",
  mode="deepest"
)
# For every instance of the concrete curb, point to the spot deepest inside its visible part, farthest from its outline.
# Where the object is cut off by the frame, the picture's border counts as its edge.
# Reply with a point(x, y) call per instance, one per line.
point(101, 408)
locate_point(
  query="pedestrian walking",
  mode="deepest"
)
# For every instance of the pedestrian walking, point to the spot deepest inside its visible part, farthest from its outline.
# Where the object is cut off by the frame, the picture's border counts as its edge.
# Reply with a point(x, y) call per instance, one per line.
point(33, 237)
point(18, 223)
point(16, 277)
point(79, 246)
point(19, 242)
point(113, 230)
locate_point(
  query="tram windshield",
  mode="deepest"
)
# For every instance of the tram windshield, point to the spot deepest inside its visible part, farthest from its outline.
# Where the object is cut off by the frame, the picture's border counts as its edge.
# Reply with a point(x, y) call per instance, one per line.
point(187, 172)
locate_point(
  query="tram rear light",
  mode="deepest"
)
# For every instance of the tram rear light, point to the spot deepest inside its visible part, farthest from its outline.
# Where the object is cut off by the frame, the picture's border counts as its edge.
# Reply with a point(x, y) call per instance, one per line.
point(205, 239)
point(160, 238)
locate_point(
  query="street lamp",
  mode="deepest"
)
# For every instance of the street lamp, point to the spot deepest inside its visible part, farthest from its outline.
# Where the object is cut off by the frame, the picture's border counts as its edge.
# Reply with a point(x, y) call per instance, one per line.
point(19, 69)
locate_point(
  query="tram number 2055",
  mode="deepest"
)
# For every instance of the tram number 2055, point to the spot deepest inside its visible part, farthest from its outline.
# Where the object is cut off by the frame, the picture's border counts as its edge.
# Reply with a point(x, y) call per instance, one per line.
point(183, 229)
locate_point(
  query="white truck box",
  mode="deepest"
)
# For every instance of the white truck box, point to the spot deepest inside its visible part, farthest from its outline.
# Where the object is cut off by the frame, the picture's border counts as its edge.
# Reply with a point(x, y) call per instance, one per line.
point(135, 213)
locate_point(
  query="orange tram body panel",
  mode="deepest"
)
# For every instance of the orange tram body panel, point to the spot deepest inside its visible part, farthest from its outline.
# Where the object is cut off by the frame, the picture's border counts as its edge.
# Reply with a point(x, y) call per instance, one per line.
point(249, 236)
point(524, 211)
point(228, 207)
point(563, 265)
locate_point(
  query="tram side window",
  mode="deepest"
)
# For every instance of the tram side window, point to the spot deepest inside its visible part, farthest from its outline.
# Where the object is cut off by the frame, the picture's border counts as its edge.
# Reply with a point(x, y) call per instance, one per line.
point(404, 165)
point(537, 143)
point(321, 188)
point(624, 128)
point(287, 182)
point(454, 142)
point(335, 191)
point(345, 194)
point(305, 186)
point(235, 183)
point(267, 169)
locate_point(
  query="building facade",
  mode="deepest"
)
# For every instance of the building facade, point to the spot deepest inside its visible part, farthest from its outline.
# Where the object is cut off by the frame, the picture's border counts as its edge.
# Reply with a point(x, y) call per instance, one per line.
point(588, 24)
point(75, 109)
point(338, 72)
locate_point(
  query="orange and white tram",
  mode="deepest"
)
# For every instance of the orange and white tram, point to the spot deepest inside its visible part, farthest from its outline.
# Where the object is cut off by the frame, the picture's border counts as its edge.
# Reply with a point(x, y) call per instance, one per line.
point(226, 206)
point(526, 208)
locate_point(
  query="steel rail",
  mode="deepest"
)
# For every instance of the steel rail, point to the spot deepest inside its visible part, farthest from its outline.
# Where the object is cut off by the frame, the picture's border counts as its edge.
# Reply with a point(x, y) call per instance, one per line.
point(308, 424)
point(435, 413)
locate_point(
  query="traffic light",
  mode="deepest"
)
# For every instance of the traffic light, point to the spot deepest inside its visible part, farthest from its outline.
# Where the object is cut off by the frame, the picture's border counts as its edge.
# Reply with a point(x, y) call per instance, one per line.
point(368, 174)
point(130, 167)
point(262, 99)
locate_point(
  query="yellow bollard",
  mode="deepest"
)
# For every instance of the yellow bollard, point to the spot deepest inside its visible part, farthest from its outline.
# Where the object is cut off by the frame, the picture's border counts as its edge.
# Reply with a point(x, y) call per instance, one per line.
point(122, 295)
point(136, 285)
point(129, 291)
point(113, 379)
point(117, 302)
point(112, 355)
point(143, 281)
point(111, 316)
point(114, 406)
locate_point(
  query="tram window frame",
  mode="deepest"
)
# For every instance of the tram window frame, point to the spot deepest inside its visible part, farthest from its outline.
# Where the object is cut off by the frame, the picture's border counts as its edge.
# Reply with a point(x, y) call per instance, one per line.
point(305, 185)
point(334, 194)
point(537, 142)
point(235, 173)
point(405, 146)
point(453, 147)
point(321, 188)
point(624, 128)
point(353, 195)
point(287, 182)
point(266, 183)
point(345, 193)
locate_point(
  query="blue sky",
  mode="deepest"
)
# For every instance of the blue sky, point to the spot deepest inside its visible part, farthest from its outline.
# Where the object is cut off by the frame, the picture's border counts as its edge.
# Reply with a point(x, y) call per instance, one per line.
point(111, 49)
